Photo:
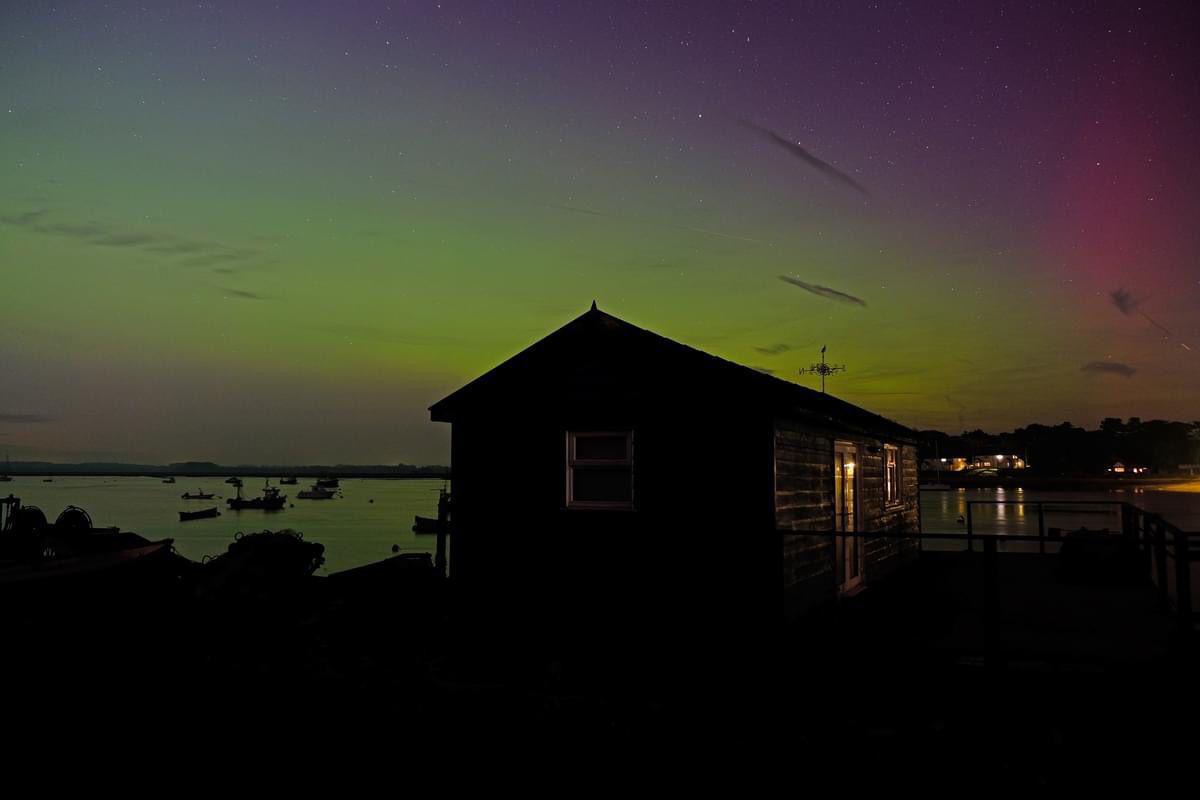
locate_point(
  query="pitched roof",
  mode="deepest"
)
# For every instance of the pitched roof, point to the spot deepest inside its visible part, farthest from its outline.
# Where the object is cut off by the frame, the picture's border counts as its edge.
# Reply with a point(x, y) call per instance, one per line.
point(597, 329)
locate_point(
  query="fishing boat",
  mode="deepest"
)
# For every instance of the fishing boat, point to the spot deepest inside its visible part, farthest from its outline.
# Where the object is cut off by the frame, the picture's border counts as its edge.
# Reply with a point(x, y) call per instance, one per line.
point(199, 495)
point(271, 500)
point(327, 483)
point(70, 553)
point(205, 513)
point(315, 492)
point(287, 481)
point(169, 480)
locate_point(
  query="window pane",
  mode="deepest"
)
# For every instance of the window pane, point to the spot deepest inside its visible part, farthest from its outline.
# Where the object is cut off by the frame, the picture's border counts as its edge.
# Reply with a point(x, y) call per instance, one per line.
point(608, 484)
point(601, 446)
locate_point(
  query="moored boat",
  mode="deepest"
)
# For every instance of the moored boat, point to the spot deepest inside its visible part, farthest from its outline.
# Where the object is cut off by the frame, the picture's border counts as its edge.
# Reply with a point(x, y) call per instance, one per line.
point(287, 481)
point(199, 495)
point(69, 552)
point(204, 513)
point(270, 500)
point(315, 492)
point(169, 480)
point(327, 483)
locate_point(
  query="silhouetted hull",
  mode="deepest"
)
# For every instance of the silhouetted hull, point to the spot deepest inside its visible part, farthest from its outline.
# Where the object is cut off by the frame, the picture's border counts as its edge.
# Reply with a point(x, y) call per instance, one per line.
point(328, 483)
point(83, 566)
point(315, 494)
point(206, 513)
point(201, 496)
point(257, 503)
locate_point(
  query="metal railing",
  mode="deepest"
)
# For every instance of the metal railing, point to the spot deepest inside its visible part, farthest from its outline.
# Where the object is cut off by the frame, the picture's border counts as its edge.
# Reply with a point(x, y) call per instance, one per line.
point(1163, 553)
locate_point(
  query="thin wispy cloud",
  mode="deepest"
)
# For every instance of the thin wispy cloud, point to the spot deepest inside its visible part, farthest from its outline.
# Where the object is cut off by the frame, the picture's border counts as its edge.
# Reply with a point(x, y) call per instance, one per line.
point(1108, 368)
point(242, 294)
point(186, 251)
point(824, 291)
point(1127, 304)
point(774, 349)
point(25, 419)
point(795, 149)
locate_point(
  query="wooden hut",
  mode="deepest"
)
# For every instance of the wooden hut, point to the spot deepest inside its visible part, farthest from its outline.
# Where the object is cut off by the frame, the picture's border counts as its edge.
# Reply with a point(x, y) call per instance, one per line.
point(608, 470)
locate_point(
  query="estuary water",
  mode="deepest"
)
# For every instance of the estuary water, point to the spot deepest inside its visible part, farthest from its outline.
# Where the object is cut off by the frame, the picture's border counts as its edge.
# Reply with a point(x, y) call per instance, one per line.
point(369, 516)
point(357, 527)
point(1179, 504)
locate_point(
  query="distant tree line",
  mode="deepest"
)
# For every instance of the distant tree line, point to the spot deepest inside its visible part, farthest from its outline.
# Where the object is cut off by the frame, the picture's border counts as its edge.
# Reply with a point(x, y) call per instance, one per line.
point(1066, 449)
point(208, 468)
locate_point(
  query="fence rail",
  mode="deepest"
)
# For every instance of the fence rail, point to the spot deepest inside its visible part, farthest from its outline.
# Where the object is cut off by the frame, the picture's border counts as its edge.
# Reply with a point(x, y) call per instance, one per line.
point(1163, 553)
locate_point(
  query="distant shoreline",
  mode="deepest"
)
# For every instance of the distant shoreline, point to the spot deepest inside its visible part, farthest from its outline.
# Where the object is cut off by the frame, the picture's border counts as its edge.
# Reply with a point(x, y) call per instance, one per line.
point(219, 471)
point(1063, 483)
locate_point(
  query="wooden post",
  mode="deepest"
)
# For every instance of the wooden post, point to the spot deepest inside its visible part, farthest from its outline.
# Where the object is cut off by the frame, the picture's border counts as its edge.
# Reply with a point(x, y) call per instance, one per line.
point(439, 558)
point(991, 588)
point(1041, 527)
point(1160, 560)
point(443, 528)
point(970, 530)
point(1183, 580)
point(1143, 532)
point(1127, 527)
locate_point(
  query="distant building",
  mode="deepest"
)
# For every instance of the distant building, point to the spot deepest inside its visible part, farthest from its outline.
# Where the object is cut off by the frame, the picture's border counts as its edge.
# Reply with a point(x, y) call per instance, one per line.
point(609, 471)
point(962, 463)
point(999, 461)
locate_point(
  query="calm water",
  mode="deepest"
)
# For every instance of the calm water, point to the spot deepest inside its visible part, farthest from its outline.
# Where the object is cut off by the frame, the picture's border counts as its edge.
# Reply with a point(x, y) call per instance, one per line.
point(353, 529)
point(940, 510)
point(357, 531)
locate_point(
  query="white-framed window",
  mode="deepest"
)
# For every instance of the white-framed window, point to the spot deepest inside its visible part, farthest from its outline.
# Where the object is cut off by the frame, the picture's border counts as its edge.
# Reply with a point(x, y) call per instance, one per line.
point(600, 470)
point(893, 496)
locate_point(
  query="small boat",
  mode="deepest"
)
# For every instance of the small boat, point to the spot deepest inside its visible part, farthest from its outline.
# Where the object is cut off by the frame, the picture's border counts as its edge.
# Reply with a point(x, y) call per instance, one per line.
point(234, 481)
point(287, 481)
point(169, 480)
point(199, 495)
point(5, 478)
point(438, 524)
point(315, 492)
point(47, 480)
point(327, 483)
point(271, 500)
point(184, 516)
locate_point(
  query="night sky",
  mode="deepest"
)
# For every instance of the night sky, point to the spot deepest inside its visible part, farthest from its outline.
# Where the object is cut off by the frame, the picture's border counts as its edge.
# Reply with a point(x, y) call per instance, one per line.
point(252, 232)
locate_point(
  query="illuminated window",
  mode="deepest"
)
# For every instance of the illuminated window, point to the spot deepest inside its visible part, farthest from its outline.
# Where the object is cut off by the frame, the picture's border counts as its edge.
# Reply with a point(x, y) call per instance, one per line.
point(600, 470)
point(891, 475)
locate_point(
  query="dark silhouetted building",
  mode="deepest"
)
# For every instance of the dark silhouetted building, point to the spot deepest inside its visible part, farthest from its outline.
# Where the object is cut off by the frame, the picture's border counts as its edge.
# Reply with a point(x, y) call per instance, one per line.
point(608, 473)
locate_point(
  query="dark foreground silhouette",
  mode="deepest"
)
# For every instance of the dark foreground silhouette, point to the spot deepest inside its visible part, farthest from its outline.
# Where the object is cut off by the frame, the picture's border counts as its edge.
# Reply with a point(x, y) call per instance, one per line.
point(1079, 684)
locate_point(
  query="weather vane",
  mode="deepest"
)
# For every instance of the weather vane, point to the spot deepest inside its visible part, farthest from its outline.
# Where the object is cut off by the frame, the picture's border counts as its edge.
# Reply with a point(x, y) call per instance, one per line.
point(823, 369)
